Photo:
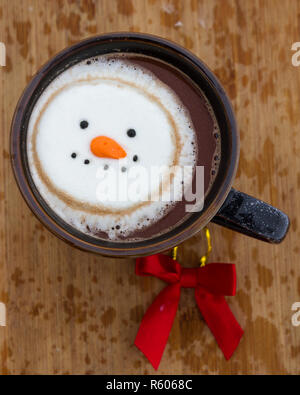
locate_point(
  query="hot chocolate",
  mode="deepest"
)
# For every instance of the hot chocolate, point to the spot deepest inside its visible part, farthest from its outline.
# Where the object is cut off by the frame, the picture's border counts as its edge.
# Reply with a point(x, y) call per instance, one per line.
point(98, 131)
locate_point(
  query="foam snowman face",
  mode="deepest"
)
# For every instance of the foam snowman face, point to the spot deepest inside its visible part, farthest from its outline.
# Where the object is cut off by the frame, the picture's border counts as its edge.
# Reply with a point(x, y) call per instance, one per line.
point(94, 133)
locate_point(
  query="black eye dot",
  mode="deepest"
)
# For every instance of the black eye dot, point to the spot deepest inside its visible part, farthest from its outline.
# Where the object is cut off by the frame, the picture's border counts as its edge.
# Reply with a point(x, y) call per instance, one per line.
point(135, 158)
point(131, 133)
point(86, 162)
point(73, 155)
point(118, 227)
point(84, 124)
point(106, 167)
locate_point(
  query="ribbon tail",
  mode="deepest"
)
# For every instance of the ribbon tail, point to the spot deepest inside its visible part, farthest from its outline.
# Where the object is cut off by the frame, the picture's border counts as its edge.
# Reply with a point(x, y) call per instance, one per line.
point(156, 325)
point(220, 320)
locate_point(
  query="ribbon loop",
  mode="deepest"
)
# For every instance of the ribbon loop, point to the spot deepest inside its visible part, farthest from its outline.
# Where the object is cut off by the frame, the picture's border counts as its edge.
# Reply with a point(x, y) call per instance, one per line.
point(160, 266)
point(218, 278)
point(211, 283)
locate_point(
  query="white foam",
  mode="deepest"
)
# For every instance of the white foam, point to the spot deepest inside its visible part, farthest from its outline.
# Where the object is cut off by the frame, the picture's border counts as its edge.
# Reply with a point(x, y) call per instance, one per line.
point(113, 95)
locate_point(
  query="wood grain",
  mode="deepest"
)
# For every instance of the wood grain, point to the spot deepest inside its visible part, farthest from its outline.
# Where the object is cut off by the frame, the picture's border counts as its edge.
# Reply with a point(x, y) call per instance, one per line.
point(73, 312)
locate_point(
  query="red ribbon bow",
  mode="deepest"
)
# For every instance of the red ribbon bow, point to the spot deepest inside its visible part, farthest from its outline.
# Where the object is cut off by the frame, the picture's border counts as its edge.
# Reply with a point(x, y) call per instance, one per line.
point(211, 283)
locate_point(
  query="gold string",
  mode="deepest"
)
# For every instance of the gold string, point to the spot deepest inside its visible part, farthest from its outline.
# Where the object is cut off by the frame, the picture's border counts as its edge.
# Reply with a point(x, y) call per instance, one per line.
point(204, 258)
point(174, 253)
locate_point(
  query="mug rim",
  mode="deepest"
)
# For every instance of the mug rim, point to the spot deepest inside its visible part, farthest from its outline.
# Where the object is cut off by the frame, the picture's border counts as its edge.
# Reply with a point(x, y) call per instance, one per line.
point(17, 128)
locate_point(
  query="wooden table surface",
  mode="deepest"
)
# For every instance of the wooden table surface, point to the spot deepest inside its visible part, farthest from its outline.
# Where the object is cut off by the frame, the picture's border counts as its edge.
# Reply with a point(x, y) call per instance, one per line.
point(74, 312)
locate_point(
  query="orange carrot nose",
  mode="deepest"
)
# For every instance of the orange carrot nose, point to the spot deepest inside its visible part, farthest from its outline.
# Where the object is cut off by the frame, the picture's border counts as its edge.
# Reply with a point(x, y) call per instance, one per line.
point(105, 147)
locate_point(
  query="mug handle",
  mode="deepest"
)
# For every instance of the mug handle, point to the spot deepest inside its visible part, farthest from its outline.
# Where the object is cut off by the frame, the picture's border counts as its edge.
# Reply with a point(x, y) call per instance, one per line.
point(252, 217)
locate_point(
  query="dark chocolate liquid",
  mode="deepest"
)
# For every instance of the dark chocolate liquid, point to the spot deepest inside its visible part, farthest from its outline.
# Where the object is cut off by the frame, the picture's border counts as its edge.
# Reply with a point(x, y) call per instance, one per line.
point(207, 137)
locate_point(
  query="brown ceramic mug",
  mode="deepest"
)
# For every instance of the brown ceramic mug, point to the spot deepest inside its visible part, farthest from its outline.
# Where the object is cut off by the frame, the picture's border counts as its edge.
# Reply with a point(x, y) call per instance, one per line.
point(223, 205)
